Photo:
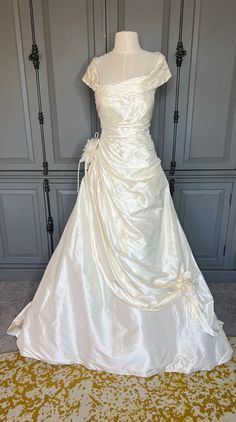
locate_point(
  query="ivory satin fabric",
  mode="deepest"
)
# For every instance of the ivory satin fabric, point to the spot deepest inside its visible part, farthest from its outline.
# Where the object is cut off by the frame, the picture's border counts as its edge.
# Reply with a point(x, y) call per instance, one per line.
point(122, 291)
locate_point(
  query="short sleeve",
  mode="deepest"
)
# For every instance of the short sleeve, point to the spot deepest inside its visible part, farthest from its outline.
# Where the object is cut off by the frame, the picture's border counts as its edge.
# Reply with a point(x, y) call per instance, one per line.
point(162, 72)
point(90, 76)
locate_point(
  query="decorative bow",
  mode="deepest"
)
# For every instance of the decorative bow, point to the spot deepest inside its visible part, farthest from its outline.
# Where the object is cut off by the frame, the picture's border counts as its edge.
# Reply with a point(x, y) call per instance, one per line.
point(196, 315)
point(87, 154)
point(185, 283)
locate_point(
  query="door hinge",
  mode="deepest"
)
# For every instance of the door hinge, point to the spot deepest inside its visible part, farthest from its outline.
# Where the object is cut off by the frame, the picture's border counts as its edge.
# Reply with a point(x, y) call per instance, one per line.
point(224, 250)
point(230, 199)
point(50, 226)
point(34, 56)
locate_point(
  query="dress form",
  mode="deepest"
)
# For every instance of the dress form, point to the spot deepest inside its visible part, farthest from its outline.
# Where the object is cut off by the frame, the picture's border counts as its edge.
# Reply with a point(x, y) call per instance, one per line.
point(126, 60)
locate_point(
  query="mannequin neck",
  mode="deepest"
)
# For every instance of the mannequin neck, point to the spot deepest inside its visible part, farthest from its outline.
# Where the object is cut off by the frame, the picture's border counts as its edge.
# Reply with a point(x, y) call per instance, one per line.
point(126, 42)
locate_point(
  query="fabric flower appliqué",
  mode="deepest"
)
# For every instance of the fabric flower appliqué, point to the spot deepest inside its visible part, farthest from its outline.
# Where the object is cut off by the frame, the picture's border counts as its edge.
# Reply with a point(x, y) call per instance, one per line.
point(88, 154)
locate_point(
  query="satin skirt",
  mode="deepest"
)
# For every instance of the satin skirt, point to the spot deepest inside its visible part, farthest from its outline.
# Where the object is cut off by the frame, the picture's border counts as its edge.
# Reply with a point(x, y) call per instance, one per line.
point(122, 291)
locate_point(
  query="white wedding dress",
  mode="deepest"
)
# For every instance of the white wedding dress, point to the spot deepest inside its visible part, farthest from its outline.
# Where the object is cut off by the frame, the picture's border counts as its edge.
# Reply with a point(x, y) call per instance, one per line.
point(122, 292)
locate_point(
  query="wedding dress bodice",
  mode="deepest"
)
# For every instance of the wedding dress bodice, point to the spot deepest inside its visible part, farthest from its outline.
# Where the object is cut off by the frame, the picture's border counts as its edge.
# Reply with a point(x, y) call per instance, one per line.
point(127, 106)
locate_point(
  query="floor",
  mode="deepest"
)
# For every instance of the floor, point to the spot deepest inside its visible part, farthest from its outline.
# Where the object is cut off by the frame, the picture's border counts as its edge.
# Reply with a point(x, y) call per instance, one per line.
point(36, 391)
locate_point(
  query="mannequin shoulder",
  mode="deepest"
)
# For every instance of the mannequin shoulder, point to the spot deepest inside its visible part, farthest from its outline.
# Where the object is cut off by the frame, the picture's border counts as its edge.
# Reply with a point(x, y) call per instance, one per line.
point(103, 60)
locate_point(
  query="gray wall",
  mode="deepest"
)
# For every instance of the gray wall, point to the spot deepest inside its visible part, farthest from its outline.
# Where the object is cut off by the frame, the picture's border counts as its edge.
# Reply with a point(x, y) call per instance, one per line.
point(68, 34)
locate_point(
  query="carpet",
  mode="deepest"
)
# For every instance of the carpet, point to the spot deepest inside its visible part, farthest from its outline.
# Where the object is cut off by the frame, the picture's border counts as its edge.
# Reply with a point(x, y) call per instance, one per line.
point(32, 390)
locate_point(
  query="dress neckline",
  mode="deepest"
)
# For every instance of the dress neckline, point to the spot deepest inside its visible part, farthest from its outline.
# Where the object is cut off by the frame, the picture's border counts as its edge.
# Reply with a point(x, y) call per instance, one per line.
point(131, 79)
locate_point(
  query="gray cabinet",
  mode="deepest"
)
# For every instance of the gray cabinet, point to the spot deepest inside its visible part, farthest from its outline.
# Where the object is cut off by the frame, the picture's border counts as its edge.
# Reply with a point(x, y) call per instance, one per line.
point(20, 143)
point(66, 37)
point(203, 209)
point(231, 241)
point(68, 34)
point(207, 124)
point(23, 243)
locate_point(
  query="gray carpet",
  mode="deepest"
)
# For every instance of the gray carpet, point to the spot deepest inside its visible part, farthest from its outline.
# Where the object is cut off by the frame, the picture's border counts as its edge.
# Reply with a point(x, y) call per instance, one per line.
point(14, 295)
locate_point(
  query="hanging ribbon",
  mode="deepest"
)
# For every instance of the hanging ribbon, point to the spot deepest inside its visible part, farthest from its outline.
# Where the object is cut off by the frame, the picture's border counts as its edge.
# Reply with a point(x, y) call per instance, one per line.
point(88, 154)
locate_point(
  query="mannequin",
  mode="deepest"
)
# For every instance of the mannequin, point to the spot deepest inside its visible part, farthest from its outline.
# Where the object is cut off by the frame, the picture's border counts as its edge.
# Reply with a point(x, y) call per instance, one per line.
point(126, 60)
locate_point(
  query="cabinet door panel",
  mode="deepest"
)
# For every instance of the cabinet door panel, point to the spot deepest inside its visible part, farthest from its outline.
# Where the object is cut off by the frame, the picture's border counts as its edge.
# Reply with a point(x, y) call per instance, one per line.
point(22, 225)
point(68, 40)
point(231, 238)
point(207, 118)
point(203, 210)
point(20, 145)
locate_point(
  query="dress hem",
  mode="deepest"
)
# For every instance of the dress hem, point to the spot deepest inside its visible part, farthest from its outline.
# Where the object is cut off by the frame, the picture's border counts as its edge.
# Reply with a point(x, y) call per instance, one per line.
point(91, 366)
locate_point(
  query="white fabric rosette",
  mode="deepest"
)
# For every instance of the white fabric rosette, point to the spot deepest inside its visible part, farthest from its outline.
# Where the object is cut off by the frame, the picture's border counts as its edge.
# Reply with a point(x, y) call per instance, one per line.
point(88, 154)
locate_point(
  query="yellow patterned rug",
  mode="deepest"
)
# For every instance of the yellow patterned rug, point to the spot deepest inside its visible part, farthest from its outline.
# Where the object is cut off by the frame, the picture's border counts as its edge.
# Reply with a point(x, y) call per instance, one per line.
point(31, 390)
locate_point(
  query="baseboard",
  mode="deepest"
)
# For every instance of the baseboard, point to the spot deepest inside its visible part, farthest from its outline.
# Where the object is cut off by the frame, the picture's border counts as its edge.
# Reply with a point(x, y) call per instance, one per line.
point(10, 274)
point(14, 274)
point(219, 276)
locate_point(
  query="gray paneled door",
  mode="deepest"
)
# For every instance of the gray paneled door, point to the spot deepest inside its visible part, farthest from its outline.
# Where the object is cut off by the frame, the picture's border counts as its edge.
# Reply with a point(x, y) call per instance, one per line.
point(23, 221)
point(68, 34)
point(20, 144)
point(207, 130)
point(204, 212)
